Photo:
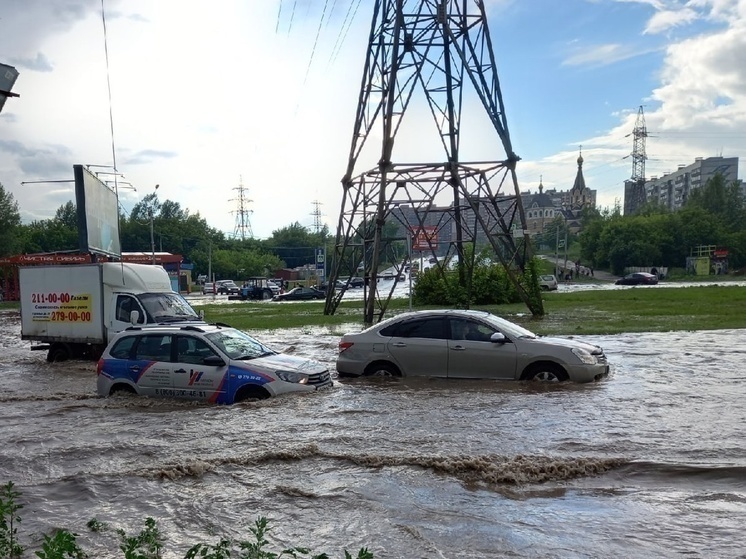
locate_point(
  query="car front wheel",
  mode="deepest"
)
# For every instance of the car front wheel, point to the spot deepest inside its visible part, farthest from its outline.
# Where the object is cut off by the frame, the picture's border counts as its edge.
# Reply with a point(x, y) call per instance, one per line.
point(545, 372)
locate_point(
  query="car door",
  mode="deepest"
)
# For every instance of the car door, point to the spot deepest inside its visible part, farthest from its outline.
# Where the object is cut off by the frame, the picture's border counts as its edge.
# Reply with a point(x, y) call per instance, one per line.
point(420, 348)
point(151, 365)
point(471, 354)
point(192, 378)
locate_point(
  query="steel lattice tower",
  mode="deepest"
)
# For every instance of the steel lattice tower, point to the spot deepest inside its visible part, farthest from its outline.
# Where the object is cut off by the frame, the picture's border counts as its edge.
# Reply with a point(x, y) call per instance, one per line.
point(634, 188)
point(243, 224)
point(438, 47)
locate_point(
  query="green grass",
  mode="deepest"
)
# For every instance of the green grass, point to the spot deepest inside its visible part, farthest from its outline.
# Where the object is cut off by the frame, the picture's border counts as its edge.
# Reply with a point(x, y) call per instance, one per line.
point(582, 312)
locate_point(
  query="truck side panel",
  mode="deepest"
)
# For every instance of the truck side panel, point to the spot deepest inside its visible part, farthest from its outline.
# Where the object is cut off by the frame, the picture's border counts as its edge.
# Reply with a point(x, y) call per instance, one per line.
point(62, 303)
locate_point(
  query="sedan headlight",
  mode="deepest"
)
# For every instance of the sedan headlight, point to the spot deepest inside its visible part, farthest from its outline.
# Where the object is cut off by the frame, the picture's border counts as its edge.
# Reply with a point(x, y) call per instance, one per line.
point(584, 355)
point(292, 376)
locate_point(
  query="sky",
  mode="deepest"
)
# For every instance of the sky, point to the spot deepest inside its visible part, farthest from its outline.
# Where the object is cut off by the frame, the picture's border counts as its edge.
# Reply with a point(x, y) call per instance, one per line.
point(262, 94)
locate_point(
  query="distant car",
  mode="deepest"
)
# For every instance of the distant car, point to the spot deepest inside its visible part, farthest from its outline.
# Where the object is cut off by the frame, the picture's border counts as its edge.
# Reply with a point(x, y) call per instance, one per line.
point(226, 287)
point(466, 344)
point(202, 278)
point(548, 283)
point(300, 294)
point(208, 362)
point(208, 287)
point(638, 278)
point(255, 288)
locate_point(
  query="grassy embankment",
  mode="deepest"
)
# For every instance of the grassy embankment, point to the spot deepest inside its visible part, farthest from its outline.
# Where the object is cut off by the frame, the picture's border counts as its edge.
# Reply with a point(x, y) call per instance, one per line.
point(636, 309)
point(583, 312)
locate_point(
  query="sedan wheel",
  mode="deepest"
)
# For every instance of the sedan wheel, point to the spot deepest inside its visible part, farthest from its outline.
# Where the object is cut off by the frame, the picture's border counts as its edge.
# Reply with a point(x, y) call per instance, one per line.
point(546, 373)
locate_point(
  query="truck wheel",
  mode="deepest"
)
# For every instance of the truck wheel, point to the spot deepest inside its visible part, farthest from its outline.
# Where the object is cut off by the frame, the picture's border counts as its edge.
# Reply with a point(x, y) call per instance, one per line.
point(58, 352)
point(266, 295)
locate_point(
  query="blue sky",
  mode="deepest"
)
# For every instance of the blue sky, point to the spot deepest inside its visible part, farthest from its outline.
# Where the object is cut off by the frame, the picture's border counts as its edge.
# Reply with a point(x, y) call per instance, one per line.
point(205, 99)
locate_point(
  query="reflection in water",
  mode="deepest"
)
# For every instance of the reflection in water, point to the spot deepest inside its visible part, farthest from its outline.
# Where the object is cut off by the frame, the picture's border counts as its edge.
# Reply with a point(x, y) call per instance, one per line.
point(648, 463)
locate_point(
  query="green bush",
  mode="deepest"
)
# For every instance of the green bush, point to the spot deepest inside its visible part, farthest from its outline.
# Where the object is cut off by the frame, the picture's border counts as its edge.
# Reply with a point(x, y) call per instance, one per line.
point(490, 285)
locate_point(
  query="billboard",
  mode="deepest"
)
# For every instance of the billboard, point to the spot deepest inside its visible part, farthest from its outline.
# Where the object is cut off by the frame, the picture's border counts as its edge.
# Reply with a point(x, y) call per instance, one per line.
point(98, 215)
point(424, 238)
point(8, 75)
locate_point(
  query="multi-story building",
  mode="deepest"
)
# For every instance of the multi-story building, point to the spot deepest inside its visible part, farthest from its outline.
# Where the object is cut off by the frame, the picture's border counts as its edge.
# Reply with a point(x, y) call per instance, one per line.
point(672, 190)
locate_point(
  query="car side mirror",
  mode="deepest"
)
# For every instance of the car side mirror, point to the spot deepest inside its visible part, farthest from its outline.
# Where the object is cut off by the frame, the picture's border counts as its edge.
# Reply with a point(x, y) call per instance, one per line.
point(213, 361)
point(498, 338)
point(134, 317)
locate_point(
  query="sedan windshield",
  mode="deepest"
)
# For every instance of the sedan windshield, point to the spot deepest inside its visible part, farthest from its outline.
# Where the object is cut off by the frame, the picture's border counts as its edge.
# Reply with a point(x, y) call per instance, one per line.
point(508, 328)
point(237, 345)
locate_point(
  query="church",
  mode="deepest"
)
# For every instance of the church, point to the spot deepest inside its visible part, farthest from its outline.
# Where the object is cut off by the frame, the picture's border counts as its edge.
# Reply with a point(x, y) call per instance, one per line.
point(544, 207)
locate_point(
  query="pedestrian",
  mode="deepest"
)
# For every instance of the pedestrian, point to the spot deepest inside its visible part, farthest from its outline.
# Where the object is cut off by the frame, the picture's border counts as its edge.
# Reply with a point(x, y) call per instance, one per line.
point(591, 271)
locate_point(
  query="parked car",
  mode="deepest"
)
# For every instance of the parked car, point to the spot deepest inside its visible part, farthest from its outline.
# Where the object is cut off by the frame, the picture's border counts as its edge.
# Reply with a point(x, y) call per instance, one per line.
point(208, 287)
point(255, 288)
point(466, 344)
point(226, 287)
point(208, 362)
point(638, 278)
point(300, 294)
point(548, 282)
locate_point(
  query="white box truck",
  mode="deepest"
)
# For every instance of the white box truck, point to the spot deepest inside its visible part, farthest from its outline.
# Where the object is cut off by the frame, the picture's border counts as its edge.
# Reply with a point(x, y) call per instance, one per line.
point(74, 310)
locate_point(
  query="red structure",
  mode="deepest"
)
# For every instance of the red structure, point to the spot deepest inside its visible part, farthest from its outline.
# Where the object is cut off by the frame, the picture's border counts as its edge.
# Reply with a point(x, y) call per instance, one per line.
point(9, 265)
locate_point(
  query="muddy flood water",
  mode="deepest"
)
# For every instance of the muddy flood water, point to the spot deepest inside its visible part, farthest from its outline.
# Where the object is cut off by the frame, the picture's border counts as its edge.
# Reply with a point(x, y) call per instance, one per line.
point(648, 463)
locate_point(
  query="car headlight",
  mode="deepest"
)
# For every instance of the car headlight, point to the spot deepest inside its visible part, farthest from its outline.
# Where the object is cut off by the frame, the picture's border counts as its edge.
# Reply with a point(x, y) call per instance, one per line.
point(584, 355)
point(292, 376)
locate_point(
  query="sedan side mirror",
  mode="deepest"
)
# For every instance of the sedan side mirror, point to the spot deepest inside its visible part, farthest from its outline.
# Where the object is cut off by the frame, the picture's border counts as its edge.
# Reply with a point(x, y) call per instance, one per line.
point(498, 338)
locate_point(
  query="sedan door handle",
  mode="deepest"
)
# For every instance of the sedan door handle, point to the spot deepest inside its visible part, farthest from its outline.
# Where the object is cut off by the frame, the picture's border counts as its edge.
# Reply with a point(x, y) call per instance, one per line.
point(399, 344)
point(135, 368)
point(180, 371)
point(458, 348)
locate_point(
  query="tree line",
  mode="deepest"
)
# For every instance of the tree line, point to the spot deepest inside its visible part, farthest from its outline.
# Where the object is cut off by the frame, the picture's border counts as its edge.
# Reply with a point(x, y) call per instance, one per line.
point(175, 230)
point(714, 214)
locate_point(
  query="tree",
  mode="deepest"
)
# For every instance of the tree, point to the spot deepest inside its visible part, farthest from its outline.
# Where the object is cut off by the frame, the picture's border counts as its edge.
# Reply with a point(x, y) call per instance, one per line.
point(10, 221)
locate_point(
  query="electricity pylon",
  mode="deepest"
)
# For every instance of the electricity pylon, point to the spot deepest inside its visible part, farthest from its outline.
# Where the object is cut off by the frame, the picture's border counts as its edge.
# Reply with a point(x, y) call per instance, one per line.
point(636, 183)
point(438, 47)
point(242, 230)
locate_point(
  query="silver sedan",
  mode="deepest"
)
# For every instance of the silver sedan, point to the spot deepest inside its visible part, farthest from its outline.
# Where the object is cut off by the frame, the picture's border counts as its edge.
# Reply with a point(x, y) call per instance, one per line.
point(466, 344)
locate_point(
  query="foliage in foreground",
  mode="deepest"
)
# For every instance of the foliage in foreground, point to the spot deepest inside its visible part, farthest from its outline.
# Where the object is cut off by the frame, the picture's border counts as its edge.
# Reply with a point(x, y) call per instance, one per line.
point(147, 544)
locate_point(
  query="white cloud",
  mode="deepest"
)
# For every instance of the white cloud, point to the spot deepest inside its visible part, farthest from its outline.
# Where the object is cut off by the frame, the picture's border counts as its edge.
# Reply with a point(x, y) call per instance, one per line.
point(664, 20)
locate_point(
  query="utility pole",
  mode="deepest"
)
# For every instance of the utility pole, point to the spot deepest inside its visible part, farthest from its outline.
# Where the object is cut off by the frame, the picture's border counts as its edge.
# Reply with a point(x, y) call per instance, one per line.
point(152, 236)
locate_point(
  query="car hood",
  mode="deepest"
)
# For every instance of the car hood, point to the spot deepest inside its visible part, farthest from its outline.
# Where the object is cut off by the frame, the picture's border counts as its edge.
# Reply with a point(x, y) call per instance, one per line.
point(282, 362)
point(565, 342)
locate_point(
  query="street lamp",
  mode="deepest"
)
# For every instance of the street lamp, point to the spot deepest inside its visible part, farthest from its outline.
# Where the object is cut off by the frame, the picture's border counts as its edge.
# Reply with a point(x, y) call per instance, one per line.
point(152, 237)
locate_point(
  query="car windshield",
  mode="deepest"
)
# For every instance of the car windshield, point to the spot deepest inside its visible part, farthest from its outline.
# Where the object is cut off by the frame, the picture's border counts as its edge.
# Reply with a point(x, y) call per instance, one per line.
point(167, 306)
point(238, 345)
point(508, 328)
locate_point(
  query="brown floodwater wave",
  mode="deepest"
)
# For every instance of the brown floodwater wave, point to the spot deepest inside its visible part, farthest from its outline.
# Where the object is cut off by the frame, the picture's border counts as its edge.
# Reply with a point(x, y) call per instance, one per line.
point(487, 470)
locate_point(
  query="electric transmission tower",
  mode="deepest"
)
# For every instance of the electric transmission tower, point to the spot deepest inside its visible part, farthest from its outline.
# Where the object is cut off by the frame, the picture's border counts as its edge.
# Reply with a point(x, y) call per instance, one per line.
point(317, 225)
point(437, 47)
point(635, 187)
point(243, 224)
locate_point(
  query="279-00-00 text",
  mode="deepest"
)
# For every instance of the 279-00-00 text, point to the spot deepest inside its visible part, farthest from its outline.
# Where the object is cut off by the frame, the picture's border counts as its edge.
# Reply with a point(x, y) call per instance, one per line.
point(70, 316)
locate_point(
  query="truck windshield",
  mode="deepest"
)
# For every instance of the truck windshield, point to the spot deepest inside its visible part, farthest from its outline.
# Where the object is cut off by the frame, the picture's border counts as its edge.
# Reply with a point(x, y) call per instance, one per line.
point(163, 307)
